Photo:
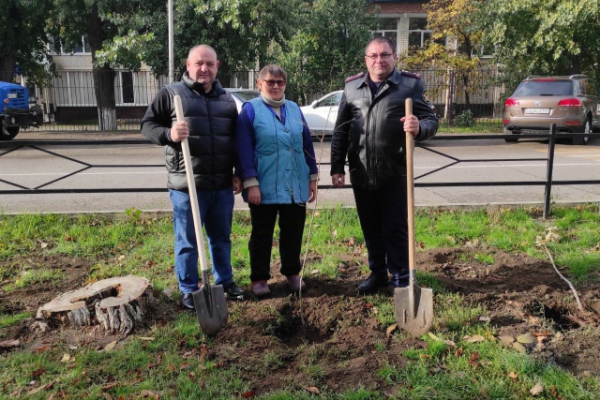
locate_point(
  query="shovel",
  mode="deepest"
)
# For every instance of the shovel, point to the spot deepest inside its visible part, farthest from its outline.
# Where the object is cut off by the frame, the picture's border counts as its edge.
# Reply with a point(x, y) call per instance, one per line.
point(414, 306)
point(209, 301)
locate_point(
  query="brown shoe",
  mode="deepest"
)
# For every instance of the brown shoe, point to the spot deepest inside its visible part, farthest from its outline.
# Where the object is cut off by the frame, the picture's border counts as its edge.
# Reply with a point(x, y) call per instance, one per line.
point(260, 288)
point(295, 283)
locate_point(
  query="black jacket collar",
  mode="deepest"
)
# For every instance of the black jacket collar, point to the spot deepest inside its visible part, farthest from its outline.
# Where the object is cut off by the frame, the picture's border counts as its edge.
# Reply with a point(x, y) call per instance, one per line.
point(216, 89)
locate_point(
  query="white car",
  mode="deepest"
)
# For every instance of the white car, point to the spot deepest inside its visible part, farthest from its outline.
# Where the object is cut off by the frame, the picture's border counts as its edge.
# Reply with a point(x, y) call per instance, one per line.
point(321, 114)
point(240, 96)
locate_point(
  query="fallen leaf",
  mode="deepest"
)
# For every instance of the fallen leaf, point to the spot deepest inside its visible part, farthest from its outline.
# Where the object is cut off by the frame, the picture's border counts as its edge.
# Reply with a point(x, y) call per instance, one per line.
point(431, 335)
point(526, 338)
point(38, 372)
point(519, 347)
point(248, 394)
point(390, 330)
point(513, 376)
point(368, 306)
point(475, 339)
point(110, 346)
point(537, 389)
point(484, 319)
point(66, 358)
point(506, 340)
point(110, 386)
point(147, 338)
point(473, 359)
point(314, 272)
point(151, 393)
point(352, 241)
point(450, 343)
point(313, 390)
point(9, 344)
point(459, 352)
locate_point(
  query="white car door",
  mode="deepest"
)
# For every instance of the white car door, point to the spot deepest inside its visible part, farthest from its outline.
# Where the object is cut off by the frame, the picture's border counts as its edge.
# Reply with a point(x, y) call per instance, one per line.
point(321, 115)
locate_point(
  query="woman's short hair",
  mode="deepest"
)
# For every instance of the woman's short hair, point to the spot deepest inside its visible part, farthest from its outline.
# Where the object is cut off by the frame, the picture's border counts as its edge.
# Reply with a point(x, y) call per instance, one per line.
point(273, 70)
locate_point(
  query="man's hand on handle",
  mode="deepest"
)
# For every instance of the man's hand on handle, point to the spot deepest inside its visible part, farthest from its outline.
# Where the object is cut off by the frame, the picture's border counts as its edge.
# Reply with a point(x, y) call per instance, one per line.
point(179, 131)
point(411, 124)
point(338, 180)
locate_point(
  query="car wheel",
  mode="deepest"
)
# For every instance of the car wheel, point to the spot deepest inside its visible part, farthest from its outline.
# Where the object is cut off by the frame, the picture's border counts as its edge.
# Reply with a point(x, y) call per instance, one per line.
point(582, 140)
point(12, 132)
point(511, 139)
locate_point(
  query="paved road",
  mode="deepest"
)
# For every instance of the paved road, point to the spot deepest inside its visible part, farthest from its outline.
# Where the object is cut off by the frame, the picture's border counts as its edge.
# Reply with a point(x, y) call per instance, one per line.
point(141, 166)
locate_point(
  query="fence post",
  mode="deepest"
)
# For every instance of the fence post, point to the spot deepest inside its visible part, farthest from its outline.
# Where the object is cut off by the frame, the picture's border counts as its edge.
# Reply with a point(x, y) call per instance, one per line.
point(549, 168)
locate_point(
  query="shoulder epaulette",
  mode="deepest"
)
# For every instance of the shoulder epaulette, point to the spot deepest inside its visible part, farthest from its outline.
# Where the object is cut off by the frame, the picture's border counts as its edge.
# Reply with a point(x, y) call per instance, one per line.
point(353, 77)
point(412, 75)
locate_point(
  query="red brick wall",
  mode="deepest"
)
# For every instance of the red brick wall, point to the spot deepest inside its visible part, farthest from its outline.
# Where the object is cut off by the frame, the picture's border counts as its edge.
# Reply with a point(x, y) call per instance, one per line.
point(399, 7)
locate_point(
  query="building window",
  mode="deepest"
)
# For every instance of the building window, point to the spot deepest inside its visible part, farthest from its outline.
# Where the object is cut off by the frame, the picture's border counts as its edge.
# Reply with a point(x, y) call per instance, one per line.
point(127, 91)
point(418, 34)
point(388, 27)
point(56, 46)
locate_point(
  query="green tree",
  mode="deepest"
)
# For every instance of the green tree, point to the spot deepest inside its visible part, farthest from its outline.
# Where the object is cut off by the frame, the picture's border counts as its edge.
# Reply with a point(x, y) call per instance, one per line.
point(328, 46)
point(546, 37)
point(457, 23)
point(22, 37)
point(241, 31)
point(100, 21)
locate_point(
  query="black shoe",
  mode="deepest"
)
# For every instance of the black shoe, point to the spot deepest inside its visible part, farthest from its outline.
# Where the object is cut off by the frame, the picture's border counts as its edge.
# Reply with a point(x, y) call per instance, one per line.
point(373, 282)
point(187, 302)
point(234, 292)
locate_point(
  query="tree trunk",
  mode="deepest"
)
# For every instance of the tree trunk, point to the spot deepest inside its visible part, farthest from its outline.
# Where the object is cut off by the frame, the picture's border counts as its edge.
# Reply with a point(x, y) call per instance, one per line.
point(104, 76)
point(8, 43)
point(118, 304)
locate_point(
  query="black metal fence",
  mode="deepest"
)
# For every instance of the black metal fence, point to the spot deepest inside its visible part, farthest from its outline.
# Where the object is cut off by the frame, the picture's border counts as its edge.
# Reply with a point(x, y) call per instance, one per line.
point(70, 102)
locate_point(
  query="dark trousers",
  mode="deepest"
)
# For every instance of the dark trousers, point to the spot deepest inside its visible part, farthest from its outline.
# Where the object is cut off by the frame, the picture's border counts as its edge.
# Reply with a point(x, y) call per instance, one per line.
point(383, 218)
point(291, 228)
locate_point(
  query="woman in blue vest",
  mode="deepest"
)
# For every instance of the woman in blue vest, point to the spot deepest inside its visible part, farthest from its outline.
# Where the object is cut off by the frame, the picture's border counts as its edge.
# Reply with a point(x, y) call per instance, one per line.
point(276, 161)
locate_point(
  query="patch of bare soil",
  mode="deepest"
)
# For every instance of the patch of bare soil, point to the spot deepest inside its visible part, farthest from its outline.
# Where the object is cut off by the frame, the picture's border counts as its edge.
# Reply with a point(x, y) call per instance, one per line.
point(331, 338)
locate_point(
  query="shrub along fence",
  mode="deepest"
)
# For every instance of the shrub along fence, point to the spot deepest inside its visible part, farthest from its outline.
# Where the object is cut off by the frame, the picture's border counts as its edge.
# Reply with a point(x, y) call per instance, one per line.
point(76, 101)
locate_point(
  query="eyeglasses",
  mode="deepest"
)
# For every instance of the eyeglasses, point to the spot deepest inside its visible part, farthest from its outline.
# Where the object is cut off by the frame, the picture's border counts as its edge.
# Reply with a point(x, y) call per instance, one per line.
point(272, 82)
point(384, 56)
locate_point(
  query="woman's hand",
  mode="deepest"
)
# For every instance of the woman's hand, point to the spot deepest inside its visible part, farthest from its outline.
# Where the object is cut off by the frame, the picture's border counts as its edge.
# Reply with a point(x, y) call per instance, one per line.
point(254, 195)
point(312, 191)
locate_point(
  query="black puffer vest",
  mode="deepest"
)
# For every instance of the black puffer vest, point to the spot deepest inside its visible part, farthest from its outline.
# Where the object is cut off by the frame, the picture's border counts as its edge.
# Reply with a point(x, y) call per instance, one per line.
point(211, 119)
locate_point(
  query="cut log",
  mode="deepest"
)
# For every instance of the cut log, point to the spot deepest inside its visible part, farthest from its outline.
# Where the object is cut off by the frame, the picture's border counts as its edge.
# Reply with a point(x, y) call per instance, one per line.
point(118, 304)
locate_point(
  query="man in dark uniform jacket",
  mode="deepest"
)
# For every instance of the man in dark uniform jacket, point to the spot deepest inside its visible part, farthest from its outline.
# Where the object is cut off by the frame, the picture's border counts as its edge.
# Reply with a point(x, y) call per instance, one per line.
point(210, 115)
point(370, 131)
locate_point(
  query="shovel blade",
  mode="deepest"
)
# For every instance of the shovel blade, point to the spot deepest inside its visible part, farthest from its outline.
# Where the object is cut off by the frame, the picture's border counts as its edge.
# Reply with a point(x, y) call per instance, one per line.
point(414, 309)
point(211, 308)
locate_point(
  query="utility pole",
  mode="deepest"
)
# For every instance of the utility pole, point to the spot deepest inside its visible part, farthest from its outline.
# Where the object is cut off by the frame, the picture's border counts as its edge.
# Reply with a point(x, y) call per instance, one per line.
point(171, 49)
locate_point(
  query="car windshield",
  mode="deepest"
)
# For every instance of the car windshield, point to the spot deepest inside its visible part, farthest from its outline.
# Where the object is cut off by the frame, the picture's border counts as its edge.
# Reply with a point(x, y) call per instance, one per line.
point(246, 95)
point(544, 88)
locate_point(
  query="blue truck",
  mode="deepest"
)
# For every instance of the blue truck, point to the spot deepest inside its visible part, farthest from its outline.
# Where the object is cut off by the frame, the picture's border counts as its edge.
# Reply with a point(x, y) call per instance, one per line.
point(15, 110)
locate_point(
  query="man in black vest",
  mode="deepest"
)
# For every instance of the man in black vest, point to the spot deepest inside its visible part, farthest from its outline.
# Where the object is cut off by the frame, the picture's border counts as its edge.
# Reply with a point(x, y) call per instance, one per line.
point(370, 131)
point(210, 117)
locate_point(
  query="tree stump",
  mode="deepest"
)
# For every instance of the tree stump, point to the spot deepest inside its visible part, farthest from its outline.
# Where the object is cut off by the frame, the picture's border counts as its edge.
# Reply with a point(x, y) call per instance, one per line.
point(118, 304)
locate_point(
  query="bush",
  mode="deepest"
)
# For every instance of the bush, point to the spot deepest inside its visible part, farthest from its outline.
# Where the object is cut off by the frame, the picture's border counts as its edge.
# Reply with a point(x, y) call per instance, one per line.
point(465, 119)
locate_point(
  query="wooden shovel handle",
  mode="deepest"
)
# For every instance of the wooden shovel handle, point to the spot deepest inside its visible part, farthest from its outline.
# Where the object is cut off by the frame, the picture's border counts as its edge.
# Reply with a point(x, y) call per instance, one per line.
point(410, 192)
point(189, 173)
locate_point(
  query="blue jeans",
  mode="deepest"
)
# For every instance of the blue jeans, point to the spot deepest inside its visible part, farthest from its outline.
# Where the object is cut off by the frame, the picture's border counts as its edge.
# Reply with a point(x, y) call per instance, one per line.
point(383, 216)
point(216, 212)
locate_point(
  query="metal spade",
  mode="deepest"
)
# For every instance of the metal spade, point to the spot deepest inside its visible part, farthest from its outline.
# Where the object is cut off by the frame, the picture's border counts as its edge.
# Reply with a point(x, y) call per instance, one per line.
point(414, 305)
point(210, 302)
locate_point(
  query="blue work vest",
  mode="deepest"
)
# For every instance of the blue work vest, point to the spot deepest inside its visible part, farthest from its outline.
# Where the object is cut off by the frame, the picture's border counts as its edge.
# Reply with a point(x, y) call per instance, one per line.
point(283, 174)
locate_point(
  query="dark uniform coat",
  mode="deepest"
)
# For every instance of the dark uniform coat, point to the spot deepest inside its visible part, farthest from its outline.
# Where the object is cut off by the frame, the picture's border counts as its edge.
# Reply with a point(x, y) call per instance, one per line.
point(369, 132)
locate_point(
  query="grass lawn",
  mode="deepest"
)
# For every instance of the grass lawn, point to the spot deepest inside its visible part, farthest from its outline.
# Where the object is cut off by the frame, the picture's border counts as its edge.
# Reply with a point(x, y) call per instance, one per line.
point(506, 326)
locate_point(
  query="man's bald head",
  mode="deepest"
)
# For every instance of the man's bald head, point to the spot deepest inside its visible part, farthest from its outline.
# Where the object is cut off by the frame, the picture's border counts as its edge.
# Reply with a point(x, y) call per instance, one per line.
point(202, 65)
